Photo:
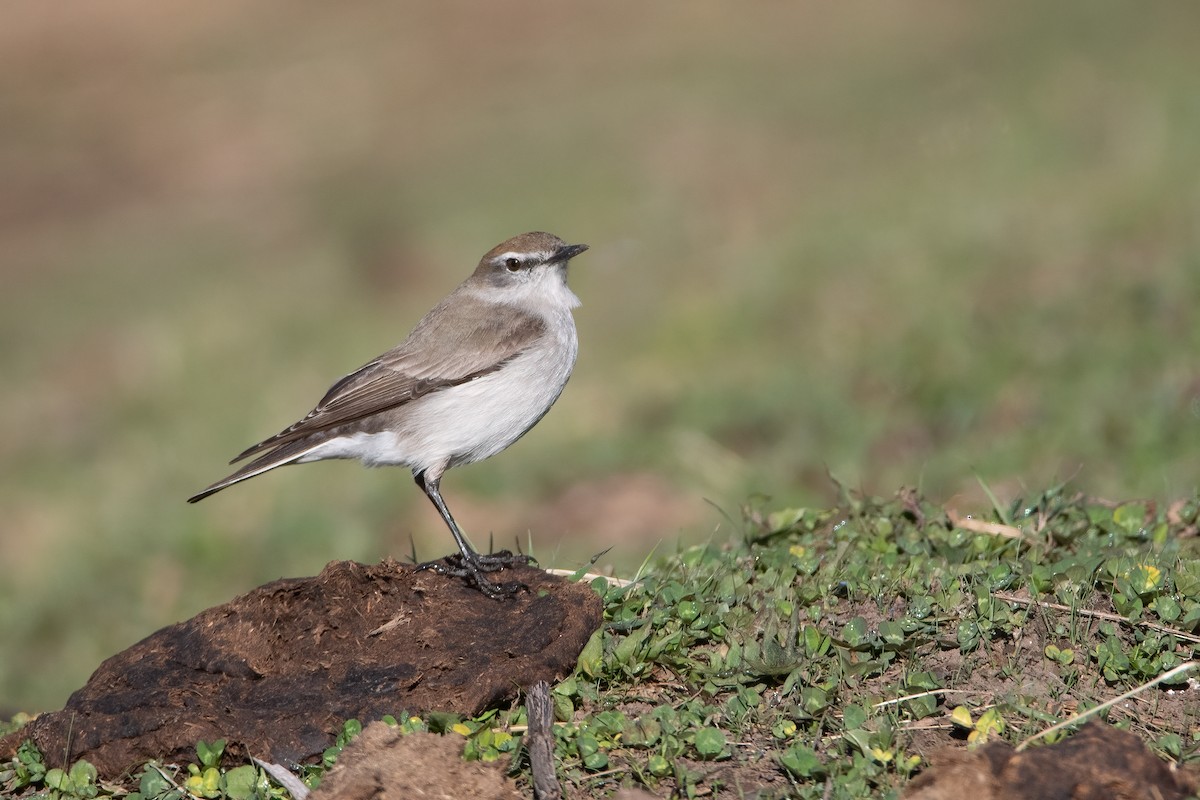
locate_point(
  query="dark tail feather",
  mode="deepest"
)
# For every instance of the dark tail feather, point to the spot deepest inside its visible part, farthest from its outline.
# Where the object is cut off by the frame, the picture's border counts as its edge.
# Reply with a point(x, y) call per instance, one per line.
point(278, 457)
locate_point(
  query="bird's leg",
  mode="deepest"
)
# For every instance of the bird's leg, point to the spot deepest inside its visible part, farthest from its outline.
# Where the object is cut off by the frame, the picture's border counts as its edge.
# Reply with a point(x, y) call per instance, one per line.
point(468, 564)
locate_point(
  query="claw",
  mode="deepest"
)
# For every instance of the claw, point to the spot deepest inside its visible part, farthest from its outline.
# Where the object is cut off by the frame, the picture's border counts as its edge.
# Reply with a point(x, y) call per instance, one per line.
point(473, 570)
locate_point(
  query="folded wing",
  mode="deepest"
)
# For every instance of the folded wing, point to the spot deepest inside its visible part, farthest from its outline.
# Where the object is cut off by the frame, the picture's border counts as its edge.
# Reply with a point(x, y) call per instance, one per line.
point(454, 344)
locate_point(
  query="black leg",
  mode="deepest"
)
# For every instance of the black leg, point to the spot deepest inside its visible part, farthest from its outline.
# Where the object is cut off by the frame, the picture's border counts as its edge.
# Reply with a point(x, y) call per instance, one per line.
point(468, 564)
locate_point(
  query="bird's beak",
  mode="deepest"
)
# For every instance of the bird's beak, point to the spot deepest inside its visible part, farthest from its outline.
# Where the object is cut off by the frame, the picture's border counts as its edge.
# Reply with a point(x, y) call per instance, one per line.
point(567, 252)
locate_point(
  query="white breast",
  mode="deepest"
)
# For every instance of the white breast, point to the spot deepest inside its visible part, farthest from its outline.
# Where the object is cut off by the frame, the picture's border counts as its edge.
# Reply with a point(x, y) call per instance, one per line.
point(476, 420)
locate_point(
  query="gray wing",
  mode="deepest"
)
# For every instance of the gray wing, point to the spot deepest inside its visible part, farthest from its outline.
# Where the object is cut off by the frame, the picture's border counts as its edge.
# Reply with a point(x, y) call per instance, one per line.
point(456, 342)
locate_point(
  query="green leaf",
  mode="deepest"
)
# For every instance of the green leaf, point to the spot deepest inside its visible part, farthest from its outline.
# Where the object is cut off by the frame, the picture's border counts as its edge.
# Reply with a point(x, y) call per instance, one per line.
point(1167, 609)
point(922, 681)
point(1187, 579)
point(83, 773)
point(854, 632)
point(241, 783)
point(1042, 578)
point(784, 729)
point(630, 645)
point(641, 732)
point(854, 716)
point(1131, 517)
point(58, 779)
point(28, 765)
point(153, 784)
point(1171, 744)
point(564, 709)
point(860, 738)
point(591, 658)
point(350, 729)
point(687, 610)
point(442, 721)
point(801, 761)
point(210, 754)
point(609, 722)
point(1146, 578)
point(968, 635)
point(206, 783)
point(814, 700)
point(924, 706)
point(816, 644)
point(596, 761)
point(891, 632)
point(782, 520)
point(710, 742)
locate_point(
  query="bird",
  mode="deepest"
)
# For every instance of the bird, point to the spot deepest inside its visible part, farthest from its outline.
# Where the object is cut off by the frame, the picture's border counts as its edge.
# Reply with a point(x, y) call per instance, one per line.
point(474, 375)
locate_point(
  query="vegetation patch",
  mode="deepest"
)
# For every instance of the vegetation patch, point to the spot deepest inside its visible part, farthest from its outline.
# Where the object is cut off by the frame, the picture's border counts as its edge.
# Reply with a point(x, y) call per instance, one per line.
point(828, 652)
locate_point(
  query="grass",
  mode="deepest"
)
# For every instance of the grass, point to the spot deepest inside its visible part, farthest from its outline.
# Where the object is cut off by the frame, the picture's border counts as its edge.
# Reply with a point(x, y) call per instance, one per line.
point(828, 652)
point(902, 247)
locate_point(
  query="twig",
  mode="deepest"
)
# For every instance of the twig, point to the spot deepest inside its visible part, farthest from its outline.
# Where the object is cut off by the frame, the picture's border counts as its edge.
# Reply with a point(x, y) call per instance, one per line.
point(979, 526)
point(284, 777)
point(1184, 667)
point(1105, 615)
point(540, 710)
point(400, 619)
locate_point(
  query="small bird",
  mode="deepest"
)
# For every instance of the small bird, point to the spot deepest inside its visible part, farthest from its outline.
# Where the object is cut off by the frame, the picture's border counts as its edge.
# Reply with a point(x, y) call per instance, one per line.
point(475, 374)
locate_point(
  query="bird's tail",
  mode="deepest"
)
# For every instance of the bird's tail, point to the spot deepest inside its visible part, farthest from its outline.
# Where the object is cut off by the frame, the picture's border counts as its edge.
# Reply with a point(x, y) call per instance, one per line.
point(286, 454)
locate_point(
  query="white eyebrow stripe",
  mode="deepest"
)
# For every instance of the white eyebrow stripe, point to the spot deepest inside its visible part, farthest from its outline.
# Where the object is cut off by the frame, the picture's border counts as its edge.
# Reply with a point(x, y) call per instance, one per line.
point(540, 255)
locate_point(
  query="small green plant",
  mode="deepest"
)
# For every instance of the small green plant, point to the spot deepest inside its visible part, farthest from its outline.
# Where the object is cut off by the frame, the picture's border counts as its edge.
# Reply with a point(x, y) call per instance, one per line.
point(27, 768)
point(77, 782)
point(979, 731)
point(351, 728)
point(204, 779)
point(154, 784)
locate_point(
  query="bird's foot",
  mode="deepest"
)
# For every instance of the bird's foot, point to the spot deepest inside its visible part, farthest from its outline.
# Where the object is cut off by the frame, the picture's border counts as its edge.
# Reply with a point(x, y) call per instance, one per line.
point(474, 569)
point(492, 562)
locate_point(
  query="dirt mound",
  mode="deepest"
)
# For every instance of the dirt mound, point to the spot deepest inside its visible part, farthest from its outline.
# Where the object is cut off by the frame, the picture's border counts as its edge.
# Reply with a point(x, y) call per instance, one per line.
point(382, 764)
point(1099, 762)
point(276, 671)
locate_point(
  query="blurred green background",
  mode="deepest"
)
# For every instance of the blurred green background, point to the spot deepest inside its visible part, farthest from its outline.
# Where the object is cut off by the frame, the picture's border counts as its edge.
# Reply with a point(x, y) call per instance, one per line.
point(902, 244)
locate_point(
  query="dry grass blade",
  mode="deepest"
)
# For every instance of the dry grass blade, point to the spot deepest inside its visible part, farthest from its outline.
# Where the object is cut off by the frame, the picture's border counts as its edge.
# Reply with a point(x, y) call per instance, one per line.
point(979, 526)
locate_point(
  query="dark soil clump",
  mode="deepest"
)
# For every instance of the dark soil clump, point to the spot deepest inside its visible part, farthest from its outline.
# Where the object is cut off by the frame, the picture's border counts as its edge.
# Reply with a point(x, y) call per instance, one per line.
point(277, 670)
point(1099, 762)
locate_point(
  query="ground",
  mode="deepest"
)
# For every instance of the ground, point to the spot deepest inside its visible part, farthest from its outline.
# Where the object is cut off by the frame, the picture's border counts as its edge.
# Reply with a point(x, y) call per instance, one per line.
point(847, 652)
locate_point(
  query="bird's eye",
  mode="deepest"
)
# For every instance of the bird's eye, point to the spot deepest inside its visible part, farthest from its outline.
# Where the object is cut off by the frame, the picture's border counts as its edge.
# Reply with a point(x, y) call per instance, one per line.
point(513, 264)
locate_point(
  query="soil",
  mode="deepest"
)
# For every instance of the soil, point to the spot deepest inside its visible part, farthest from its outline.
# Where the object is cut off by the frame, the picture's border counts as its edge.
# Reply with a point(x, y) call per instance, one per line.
point(1016, 666)
point(1099, 762)
point(277, 671)
point(384, 764)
